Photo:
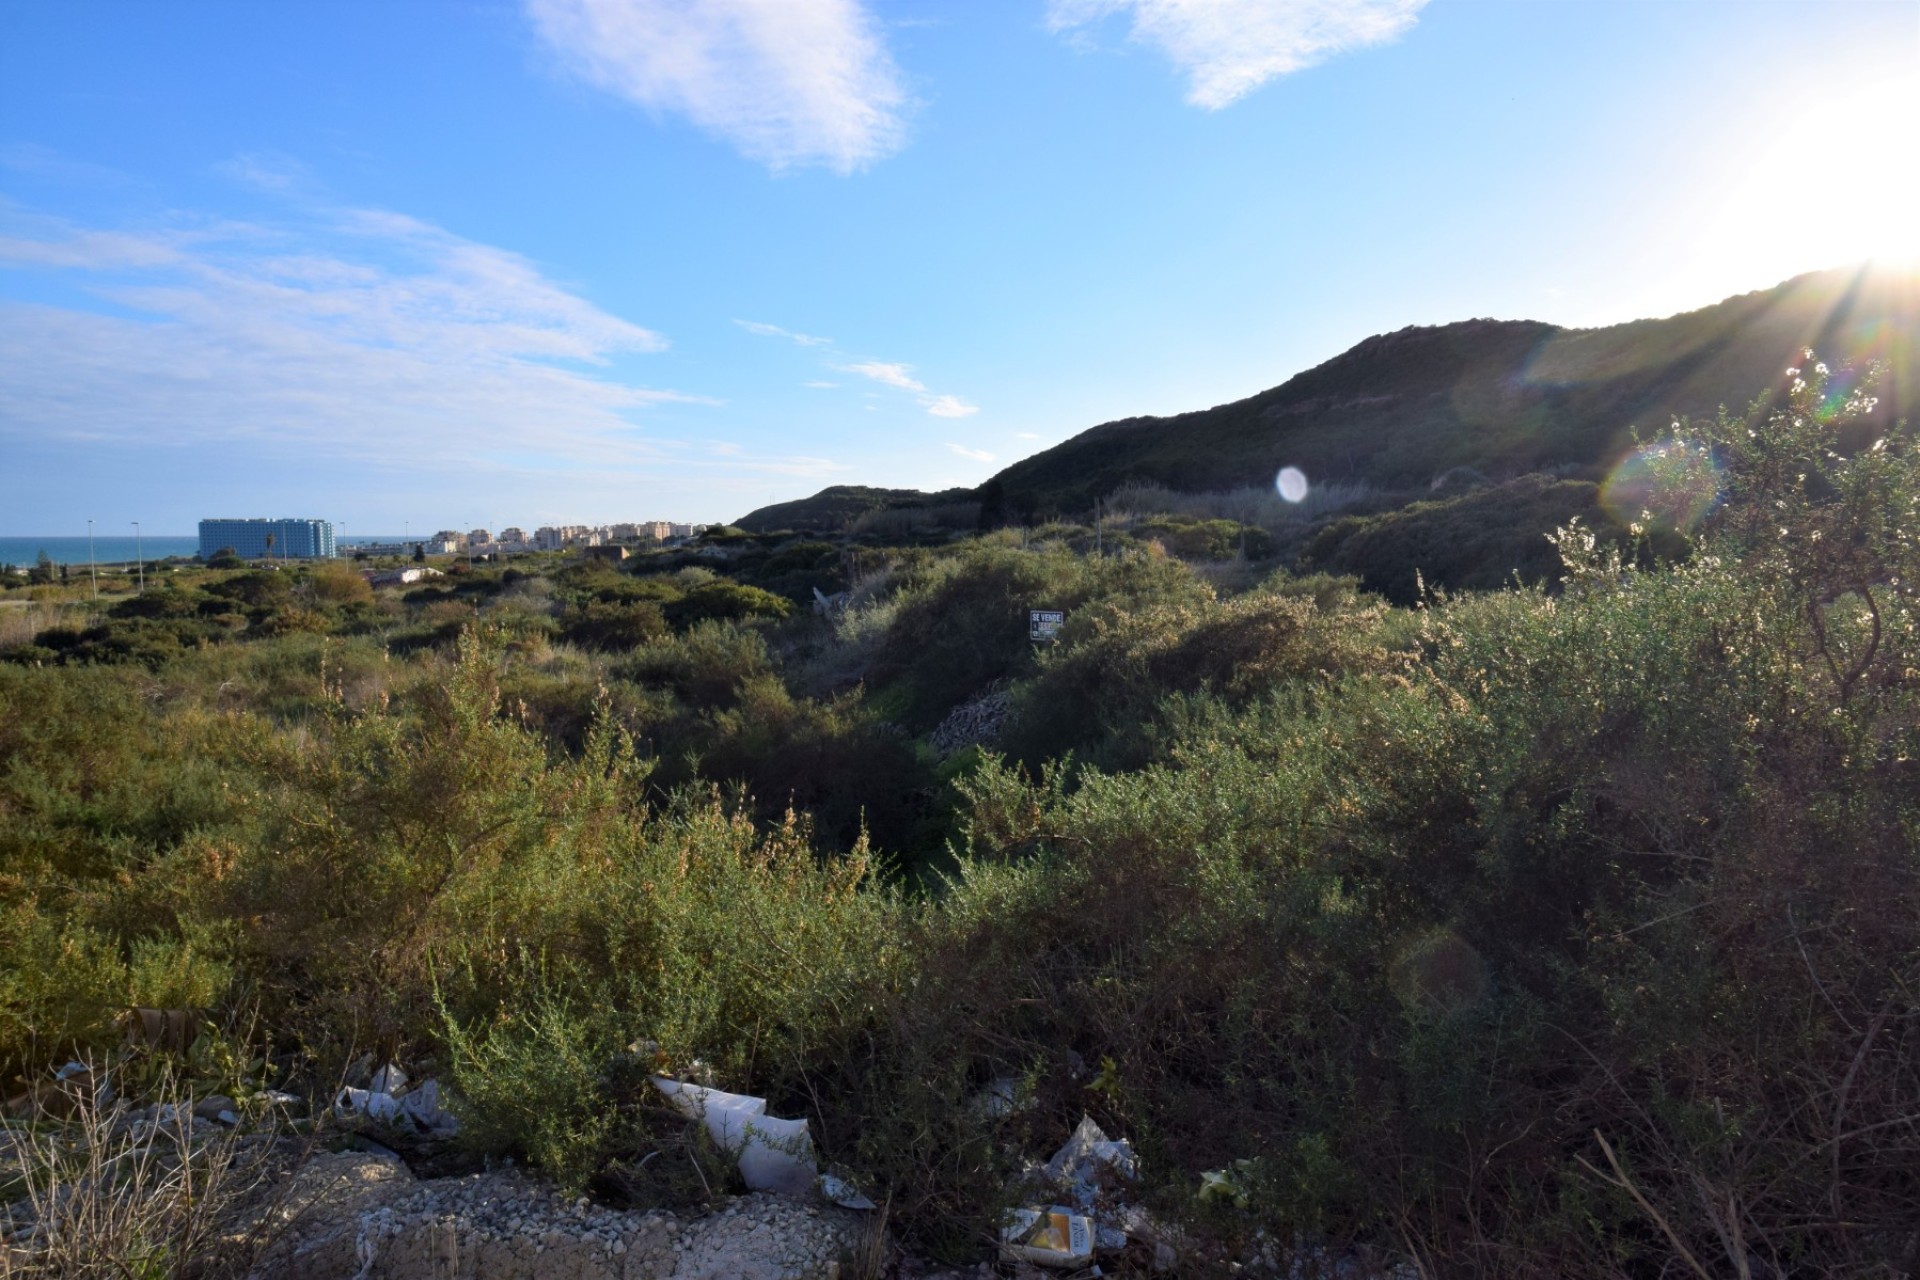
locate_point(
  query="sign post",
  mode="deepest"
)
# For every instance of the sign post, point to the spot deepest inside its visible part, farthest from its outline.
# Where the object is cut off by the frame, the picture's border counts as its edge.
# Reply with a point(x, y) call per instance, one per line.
point(1043, 625)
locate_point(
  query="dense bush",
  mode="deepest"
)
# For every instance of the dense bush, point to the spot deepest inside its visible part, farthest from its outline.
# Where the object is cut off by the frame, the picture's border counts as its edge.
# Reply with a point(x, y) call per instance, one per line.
point(1480, 540)
point(962, 622)
point(1530, 932)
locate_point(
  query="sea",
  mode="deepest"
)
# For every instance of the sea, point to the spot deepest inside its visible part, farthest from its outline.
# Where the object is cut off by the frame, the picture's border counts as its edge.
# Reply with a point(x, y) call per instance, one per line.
point(24, 552)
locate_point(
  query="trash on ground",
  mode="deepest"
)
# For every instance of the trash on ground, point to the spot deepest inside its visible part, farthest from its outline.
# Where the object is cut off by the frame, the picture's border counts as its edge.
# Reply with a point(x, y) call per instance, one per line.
point(417, 1112)
point(1229, 1183)
point(173, 1030)
point(218, 1108)
point(725, 1114)
point(774, 1154)
point(1051, 1237)
point(844, 1193)
point(73, 1088)
point(1001, 1098)
point(1080, 1164)
point(778, 1156)
point(1087, 1173)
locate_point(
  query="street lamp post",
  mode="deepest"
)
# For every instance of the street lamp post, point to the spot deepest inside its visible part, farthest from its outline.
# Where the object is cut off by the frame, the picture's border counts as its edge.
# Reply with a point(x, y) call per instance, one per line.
point(92, 572)
point(139, 559)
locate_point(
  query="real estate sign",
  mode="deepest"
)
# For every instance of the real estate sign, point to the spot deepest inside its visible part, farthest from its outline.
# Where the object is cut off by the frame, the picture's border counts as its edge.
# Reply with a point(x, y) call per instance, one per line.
point(1044, 624)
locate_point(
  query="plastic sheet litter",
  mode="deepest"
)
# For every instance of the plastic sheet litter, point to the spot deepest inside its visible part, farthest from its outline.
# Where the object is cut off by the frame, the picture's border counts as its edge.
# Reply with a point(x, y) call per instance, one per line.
point(1001, 1098)
point(1049, 1237)
point(774, 1154)
point(1083, 1162)
point(416, 1111)
point(1088, 1173)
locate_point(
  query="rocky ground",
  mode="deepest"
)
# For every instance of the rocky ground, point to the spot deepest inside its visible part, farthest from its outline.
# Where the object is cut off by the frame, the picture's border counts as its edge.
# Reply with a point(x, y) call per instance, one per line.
point(360, 1216)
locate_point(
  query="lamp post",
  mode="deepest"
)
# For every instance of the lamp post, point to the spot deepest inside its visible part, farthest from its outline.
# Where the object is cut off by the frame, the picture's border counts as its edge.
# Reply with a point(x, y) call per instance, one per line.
point(92, 572)
point(139, 559)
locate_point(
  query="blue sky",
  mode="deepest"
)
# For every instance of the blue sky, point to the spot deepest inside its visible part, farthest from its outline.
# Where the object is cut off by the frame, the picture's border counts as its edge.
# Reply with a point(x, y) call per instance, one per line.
point(529, 261)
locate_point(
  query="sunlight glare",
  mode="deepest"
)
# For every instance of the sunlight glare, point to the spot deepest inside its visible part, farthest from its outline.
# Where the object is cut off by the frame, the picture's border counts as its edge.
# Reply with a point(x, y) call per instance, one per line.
point(1834, 183)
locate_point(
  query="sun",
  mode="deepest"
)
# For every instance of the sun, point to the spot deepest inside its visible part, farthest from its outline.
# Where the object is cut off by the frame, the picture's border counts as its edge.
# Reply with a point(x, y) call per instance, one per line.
point(1821, 180)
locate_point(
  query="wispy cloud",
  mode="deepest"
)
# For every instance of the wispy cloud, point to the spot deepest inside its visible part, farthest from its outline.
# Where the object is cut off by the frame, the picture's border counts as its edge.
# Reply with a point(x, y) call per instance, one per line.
point(356, 333)
point(36, 161)
point(888, 373)
point(1229, 48)
point(1026, 435)
point(788, 82)
point(775, 331)
point(978, 455)
point(950, 407)
point(893, 375)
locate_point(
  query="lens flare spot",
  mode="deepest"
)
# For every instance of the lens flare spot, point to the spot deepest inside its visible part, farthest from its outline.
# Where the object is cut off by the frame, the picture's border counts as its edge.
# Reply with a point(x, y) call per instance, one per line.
point(1291, 484)
point(1439, 971)
point(1668, 485)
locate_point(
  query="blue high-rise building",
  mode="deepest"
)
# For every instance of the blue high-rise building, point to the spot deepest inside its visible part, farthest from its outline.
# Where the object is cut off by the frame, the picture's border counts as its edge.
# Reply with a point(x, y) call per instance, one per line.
point(292, 539)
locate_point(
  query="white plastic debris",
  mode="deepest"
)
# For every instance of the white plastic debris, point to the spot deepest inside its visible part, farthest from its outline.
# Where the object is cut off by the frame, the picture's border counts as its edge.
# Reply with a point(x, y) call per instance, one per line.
point(778, 1156)
point(1001, 1098)
point(844, 1193)
point(1079, 1164)
point(389, 1079)
point(417, 1112)
point(774, 1154)
point(1051, 1237)
point(725, 1114)
point(1084, 1170)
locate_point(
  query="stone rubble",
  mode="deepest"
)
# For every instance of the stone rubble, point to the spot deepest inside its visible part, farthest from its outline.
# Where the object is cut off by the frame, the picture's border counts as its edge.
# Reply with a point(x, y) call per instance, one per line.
point(355, 1216)
point(977, 721)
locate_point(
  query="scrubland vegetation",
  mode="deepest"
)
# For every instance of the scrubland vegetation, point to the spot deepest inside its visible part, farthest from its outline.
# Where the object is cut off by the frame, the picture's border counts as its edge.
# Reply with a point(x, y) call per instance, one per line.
point(1569, 928)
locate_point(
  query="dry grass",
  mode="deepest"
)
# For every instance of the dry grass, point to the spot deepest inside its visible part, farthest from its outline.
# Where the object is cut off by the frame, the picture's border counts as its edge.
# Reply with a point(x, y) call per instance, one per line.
point(131, 1195)
point(21, 619)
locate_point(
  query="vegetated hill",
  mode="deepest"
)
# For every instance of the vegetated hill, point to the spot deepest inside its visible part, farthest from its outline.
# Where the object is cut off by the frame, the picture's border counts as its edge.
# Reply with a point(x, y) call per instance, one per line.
point(1504, 397)
point(837, 506)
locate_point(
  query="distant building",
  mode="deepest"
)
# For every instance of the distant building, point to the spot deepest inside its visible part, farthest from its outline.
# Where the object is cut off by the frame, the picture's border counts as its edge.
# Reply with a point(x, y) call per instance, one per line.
point(402, 577)
point(513, 537)
point(450, 537)
point(292, 539)
point(479, 537)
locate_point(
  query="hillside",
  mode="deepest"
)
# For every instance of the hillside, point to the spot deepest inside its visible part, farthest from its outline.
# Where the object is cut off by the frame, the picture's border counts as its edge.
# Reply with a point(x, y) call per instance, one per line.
point(836, 506)
point(1503, 397)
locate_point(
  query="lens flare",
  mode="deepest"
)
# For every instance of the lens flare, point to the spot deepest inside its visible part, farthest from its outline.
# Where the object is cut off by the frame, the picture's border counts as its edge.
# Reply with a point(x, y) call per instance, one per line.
point(1291, 484)
point(1439, 971)
point(1671, 484)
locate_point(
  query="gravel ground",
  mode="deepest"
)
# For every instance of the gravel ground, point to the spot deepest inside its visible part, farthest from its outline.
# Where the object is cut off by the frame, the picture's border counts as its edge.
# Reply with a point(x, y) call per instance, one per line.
point(356, 1216)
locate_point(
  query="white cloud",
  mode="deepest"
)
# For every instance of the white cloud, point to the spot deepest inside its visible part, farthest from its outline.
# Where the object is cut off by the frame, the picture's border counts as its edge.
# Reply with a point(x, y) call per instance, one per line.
point(364, 334)
point(894, 375)
point(775, 331)
point(950, 407)
point(787, 82)
point(891, 373)
point(1229, 48)
point(1026, 435)
point(978, 455)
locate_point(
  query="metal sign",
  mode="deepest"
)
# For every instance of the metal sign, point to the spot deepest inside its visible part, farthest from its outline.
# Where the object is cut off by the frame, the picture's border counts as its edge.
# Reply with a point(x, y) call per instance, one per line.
point(1044, 624)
